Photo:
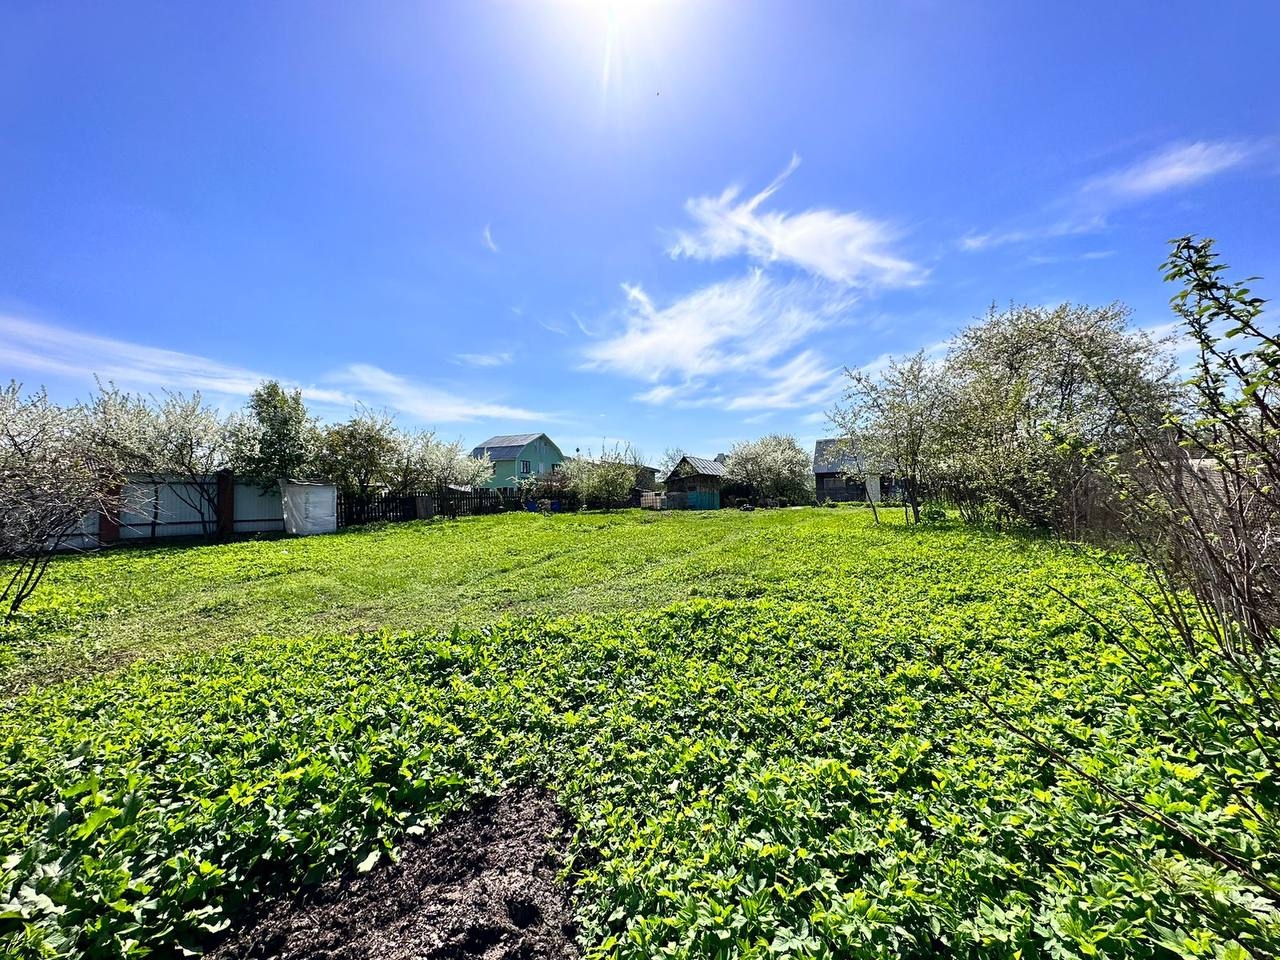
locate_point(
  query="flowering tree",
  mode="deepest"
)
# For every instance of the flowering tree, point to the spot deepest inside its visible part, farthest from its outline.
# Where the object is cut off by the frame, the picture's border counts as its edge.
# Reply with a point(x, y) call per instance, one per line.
point(176, 441)
point(775, 467)
point(53, 475)
point(449, 464)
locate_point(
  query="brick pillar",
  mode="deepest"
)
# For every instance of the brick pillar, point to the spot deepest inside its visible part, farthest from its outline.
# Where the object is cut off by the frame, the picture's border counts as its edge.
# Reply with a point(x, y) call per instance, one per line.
point(109, 519)
point(226, 510)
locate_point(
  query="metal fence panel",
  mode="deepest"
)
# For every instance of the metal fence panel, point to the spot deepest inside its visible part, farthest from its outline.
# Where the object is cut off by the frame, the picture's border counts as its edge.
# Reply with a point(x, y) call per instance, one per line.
point(172, 509)
point(257, 512)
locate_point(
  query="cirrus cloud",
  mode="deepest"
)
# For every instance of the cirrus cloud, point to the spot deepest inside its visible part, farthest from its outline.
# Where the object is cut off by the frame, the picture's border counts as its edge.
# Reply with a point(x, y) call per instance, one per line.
point(735, 345)
point(1176, 166)
point(731, 326)
point(40, 348)
point(843, 247)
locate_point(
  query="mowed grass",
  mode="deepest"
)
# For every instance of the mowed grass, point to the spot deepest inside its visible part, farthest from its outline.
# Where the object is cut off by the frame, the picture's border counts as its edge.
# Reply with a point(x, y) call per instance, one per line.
point(97, 612)
point(763, 725)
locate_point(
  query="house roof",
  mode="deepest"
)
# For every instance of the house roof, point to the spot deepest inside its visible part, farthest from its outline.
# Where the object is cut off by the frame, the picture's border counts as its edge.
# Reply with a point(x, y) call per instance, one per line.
point(507, 446)
point(703, 468)
point(830, 456)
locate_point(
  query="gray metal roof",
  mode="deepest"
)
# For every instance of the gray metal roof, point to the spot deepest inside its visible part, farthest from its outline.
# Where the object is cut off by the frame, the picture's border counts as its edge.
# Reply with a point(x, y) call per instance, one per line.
point(830, 456)
point(704, 468)
point(505, 447)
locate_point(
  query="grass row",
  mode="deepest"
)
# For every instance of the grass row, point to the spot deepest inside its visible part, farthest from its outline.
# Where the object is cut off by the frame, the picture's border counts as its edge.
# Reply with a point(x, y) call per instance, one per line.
point(99, 611)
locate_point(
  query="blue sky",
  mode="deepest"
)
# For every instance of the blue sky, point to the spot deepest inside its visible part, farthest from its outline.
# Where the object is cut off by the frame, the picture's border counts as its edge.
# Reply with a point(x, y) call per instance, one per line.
point(671, 224)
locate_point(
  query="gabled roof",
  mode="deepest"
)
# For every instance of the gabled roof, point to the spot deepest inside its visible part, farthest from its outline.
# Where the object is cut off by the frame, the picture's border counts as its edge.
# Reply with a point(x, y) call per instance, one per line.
point(702, 468)
point(831, 456)
point(507, 446)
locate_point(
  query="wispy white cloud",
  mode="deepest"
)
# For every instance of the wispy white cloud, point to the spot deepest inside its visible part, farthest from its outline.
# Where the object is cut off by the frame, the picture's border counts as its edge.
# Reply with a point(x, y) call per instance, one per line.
point(806, 380)
point(1086, 208)
point(483, 359)
point(1041, 259)
point(1174, 167)
point(734, 345)
point(733, 326)
point(840, 246)
point(660, 394)
point(586, 331)
point(487, 238)
point(427, 403)
point(43, 349)
point(26, 345)
point(1069, 227)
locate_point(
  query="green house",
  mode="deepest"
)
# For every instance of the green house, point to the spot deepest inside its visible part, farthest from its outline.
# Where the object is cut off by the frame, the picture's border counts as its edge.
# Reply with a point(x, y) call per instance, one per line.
point(517, 457)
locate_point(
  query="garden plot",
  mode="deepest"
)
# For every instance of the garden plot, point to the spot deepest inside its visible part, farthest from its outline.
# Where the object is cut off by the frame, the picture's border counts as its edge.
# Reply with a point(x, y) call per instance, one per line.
point(483, 885)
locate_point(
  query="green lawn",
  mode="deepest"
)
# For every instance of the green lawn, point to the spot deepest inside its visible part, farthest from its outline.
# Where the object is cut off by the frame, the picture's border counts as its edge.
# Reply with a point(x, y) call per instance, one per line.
point(746, 715)
point(99, 611)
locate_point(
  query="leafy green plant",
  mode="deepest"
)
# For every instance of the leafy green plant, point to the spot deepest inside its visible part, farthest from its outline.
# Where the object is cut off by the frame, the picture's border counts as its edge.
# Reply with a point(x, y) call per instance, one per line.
point(778, 767)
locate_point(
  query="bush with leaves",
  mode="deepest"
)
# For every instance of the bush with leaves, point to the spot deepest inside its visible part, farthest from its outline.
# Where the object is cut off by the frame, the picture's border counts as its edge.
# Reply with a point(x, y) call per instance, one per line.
point(1201, 656)
point(603, 482)
point(278, 438)
point(1033, 399)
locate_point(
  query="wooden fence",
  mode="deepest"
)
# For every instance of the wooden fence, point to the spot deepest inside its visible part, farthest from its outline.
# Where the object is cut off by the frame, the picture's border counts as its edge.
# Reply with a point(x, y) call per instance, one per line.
point(471, 503)
point(400, 507)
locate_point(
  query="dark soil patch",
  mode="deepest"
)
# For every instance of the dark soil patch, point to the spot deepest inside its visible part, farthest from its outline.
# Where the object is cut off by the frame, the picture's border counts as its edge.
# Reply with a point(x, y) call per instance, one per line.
point(483, 885)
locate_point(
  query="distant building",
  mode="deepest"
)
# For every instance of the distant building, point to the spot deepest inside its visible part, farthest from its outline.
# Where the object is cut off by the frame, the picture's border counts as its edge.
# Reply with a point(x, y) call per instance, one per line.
point(832, 466)
point(517, 457)
point(700, 479)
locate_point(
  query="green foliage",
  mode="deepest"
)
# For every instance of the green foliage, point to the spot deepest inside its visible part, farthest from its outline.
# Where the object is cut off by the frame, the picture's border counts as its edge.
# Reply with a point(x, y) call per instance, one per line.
point(779, 768)
point(775, 467)
point(359, 454)
point(1034, 396)
point(278, 437)
point(890, 421)
point(604, 482)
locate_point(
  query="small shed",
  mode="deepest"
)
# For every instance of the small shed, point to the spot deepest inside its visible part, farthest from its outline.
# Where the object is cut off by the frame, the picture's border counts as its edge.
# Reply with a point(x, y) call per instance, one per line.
point(309, 508)
point(700, 479)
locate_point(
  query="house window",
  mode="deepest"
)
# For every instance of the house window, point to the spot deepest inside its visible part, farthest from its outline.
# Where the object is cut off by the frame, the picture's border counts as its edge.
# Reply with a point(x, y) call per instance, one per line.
point(524, 468)
point(555, 467)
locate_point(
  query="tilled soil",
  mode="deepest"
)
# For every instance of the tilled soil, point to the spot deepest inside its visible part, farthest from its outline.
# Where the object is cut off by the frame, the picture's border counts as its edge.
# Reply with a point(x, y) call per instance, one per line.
point(483, 885)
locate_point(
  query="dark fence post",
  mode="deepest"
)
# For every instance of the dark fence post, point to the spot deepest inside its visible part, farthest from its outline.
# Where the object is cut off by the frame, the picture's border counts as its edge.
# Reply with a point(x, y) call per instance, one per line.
point(226, 508)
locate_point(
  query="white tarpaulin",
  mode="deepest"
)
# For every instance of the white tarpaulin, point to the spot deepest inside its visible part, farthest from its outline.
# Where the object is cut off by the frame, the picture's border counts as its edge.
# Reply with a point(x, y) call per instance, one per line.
point(309, 507)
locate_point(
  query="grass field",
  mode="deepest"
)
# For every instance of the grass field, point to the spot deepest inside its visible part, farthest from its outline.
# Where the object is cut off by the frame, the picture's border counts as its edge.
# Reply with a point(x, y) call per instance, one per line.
point(98, 611)
point(746, 716)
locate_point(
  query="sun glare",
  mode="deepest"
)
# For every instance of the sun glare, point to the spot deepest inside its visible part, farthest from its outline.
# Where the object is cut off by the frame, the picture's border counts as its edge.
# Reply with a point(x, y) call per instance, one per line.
point(627, 43)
